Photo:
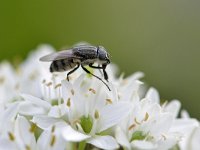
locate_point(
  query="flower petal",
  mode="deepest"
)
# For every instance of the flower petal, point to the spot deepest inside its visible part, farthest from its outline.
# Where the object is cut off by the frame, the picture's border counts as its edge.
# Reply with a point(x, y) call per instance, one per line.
point(36, 101)
point(27, 108)
point(153, 95)
point(112, 114)
point(121, 138)
point(22, 131)
point(44, 122)
point(7, 145)
point(173, 107)
point(144, 145)
point(69, 134)
point(104, 142)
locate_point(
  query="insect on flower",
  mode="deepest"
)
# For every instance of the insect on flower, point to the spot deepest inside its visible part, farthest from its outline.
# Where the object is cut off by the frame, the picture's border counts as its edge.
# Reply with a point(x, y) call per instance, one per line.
point(83, 55)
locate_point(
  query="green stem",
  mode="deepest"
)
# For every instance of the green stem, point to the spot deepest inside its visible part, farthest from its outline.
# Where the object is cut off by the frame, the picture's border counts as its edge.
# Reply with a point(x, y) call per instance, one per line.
point(81, 145)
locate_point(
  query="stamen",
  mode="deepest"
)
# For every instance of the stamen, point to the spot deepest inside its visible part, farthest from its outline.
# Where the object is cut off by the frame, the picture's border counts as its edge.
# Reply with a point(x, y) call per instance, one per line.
point(2, 79)
point(137, 122)
point(58, 85)
point(53, 129)
point(131, 126)
point(28, 147)
point(33, 128)
point(17, 86)
point(96, 114)
point(11, 136)
point(44, 81)
point(146, 117)
point(69, 102)
point(44, 88)
point(33, 76)
point(72, 91)
point(164, 137)
point(75, 122)
point(53, 140)
point(119, 95)
point(92, 90)
point(108, 101)
point(49, 84)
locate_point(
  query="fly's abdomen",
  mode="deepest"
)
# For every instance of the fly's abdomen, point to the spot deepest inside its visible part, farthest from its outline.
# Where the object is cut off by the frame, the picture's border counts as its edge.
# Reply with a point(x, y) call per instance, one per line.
point(61, 65)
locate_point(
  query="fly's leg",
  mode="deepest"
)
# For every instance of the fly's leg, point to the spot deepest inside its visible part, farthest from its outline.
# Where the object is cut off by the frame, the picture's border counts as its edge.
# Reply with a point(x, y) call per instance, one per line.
point(104, 72)
point(101, 67)
point(95, 67)
point(72, 71)
point(95, 76)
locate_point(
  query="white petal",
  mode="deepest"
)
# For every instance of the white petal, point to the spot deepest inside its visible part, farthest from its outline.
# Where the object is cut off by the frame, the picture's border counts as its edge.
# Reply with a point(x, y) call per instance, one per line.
point(136, 76)
point(112, 114)
point(69, 134)
point(153, 95)
point(44, 122)
point(22, 132)
point(183, 125)
point(7, 145)
point(163, 124)
point(121, 138)
point(104, 142)
point(185, 114)
point(144, 145)
point(55, 112)
point(36, 101)
point(195, 143)
point(27, 108)
point(173, 107)
point(43, 140)
point(8, 115)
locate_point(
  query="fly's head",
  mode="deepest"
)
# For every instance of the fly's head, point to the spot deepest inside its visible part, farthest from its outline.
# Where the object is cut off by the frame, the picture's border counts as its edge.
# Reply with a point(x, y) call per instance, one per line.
point(103, 55)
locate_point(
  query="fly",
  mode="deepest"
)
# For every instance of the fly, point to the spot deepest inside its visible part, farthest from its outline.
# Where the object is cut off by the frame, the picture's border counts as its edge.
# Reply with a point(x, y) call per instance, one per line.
point(77, 56)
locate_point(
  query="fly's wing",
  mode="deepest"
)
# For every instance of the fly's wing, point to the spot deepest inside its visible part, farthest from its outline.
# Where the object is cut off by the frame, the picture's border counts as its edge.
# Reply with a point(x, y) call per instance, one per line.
point(65, 54)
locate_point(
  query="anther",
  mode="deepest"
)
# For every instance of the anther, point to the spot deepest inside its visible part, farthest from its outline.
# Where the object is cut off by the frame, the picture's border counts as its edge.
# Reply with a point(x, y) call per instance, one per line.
point(92, 90)
point(96, 114)
point(28, 147)
point(68, 102)
point(108, 101)
point(11, 136)
point(72, 91)
point(53, 140)
point(53, 129)
point(137, 122)
point(58, 85)
point(2, 79)
point(146, 116)
point(131, 126)
point(33, 128)
point(49, 84)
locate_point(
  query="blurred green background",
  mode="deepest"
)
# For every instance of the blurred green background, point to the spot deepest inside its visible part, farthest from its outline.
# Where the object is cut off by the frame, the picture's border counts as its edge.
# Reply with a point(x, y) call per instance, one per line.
point(160, 38)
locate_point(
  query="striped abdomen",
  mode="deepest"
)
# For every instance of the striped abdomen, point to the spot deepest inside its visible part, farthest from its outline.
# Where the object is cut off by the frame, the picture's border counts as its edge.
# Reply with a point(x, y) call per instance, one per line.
point(62, 65)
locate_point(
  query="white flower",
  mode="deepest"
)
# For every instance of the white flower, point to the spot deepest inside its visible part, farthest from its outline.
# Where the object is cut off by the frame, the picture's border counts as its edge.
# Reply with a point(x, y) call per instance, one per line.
point(51, 139)
point(151, 126)
point(19, 136)
point(191, 137)
point(40, 110)
point(9, 87)
point(88, 113)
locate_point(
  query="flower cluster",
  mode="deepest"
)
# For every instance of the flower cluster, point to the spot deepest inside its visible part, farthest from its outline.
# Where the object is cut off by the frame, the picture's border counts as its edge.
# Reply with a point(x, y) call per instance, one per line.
point(43, 111)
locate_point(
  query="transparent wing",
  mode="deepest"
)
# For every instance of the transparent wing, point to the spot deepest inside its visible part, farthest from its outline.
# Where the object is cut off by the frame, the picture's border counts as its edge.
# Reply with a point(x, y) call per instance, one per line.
point(65, 54)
